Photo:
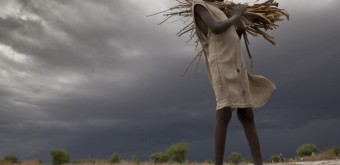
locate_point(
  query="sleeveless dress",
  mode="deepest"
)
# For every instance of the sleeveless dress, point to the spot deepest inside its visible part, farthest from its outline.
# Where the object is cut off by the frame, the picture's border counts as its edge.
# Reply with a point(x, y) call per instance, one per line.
point(233, 86)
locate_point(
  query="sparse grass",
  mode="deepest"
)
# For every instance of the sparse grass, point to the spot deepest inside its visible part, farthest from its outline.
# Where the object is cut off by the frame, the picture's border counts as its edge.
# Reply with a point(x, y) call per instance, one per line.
point(319, 157)
point(329, 154)
point(104, 162)
point(5, 163)
point(100, 162)
point(29, 162)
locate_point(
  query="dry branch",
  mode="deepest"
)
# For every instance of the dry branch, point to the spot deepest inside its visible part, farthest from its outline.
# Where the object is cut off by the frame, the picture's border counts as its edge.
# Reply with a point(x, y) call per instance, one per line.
point(257, 19)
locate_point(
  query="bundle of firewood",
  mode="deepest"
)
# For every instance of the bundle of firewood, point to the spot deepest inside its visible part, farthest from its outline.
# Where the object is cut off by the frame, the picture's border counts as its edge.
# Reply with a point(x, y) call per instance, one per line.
point(256, 19)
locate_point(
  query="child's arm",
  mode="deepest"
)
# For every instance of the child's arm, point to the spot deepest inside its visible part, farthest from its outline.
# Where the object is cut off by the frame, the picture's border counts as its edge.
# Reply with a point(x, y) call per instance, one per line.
point(216, 27)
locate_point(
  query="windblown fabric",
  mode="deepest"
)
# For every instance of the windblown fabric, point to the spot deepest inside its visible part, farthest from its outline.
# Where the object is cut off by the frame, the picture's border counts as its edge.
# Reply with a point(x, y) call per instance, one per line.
point(233, 86)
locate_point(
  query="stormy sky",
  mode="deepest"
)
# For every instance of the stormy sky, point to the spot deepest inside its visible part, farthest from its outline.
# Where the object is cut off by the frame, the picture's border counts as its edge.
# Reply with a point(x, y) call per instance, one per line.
point(99, 77)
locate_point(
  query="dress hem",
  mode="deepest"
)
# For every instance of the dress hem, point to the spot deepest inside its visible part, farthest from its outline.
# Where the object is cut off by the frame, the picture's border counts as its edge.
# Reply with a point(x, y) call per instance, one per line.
point(233, 106)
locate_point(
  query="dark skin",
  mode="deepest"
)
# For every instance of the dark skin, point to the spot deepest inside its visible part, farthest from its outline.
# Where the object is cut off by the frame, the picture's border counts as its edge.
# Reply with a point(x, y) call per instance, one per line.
point(245, 115)
point(205, 21)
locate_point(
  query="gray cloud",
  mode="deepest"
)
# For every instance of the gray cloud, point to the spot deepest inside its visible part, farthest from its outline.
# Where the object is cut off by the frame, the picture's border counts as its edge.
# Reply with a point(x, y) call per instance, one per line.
point(100, 77)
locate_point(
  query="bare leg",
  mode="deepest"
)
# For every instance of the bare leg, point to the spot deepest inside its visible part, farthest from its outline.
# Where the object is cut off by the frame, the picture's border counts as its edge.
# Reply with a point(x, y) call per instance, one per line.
point(246, 117)
point(223, 117)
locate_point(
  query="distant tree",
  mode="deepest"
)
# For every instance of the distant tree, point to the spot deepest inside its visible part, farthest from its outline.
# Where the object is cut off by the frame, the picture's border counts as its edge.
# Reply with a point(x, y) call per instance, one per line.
point(11, 159)
point(235, 157)
point(115, 158)
point(177, 152)
point(306, 150)
point(159, 157)
point(59, 157)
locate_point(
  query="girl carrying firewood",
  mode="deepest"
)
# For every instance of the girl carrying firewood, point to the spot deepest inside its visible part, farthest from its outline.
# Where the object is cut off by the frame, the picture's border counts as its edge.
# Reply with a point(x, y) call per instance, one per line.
point(219, 26)
point(235, 89)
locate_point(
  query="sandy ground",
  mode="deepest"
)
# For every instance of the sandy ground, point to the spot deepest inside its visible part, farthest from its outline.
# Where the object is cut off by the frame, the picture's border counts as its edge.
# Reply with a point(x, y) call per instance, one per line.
point(325, 162)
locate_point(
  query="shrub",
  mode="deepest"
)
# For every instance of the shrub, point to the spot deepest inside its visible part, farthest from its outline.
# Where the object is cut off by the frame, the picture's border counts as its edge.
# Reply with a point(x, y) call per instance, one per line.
point(159, 157)
point(40, 161)
point(306, 150)
point(177, 152)
point(274, 158)
point(209, 162)
point(331, 153)
point(59, 157)
point(336, 151)
point(11, 159)
point(235, 157)
point(115, 158)
point(135, 160)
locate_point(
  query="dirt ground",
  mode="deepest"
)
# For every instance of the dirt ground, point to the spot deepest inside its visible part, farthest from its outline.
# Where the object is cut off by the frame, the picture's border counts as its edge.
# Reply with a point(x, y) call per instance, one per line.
point(325, 162)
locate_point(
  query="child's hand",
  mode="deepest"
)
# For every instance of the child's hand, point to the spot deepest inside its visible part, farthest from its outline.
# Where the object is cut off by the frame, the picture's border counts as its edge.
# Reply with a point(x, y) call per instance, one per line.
point(239, 9)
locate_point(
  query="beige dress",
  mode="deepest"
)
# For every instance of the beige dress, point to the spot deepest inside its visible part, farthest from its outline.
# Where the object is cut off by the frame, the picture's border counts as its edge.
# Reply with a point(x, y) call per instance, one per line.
point(233, 86)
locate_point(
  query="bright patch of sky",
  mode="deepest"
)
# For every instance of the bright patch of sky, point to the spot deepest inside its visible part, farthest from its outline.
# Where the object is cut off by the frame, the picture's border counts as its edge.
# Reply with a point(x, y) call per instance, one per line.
point(9, 53)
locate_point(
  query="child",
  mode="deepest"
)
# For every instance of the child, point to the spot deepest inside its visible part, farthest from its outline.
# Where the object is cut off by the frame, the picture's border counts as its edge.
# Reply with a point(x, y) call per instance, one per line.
point(234, 88)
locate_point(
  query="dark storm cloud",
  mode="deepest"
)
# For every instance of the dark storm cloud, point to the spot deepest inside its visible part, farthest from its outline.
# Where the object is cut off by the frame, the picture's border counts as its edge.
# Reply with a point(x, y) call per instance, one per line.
point(304, 68)
point(99, 77)
point(308, 58)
